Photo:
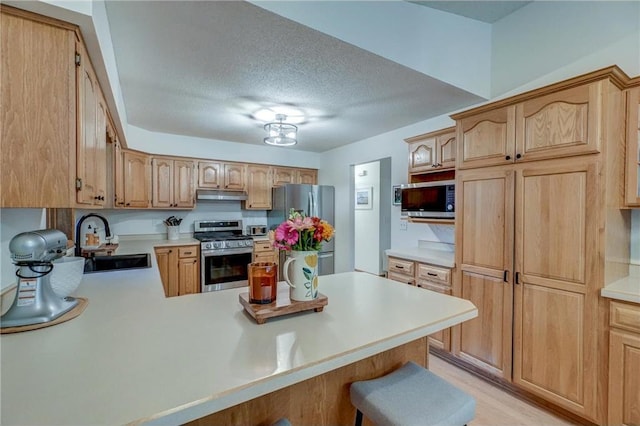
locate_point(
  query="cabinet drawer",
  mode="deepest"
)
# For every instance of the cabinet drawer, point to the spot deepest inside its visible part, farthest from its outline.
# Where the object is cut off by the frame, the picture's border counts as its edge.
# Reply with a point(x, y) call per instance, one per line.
point(625, 316)
point(262, 245)
point(190, 251)
point(434, 273)
point(440, 288)
point(401, 278)
point(265, 257)
point(399, 266)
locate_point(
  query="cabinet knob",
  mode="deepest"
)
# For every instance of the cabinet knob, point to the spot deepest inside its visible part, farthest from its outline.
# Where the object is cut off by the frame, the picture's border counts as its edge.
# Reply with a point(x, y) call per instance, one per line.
point(128, 204)
point(518, 156)
point(508, 157)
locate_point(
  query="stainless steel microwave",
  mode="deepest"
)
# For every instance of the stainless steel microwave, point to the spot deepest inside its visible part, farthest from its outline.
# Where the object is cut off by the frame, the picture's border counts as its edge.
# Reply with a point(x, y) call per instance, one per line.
point(429, 199)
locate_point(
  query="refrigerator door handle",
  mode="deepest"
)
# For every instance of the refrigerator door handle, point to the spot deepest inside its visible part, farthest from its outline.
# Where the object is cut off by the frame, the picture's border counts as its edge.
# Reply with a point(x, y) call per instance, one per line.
point(322, 256)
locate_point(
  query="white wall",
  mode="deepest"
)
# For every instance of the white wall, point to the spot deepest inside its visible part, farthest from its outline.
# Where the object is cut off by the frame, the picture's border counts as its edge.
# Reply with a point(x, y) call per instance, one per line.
point(167, 144)
point(366, 221)
point(335, 170)
point(146, 222)
point(549, 41)
point(635, 237)
point(12, 222)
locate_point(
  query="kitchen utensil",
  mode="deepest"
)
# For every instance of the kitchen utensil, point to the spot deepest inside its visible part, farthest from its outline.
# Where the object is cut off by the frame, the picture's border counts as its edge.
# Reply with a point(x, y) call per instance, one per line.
point(35, 301)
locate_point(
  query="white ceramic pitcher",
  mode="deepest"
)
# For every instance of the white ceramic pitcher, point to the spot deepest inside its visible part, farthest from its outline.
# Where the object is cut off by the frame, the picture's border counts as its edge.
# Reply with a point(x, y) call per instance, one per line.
point(303, 280)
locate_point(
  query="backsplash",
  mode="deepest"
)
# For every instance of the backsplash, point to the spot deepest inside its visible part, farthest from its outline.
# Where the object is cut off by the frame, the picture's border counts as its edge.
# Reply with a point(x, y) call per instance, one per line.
point(145, 222)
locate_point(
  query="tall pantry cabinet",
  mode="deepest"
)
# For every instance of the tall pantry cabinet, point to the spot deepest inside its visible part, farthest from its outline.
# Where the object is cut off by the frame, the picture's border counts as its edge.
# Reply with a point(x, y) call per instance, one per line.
point(539, 232)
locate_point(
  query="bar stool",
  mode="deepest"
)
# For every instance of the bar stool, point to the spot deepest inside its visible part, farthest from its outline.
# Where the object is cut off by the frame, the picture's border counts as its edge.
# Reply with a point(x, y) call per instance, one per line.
point(411, 395)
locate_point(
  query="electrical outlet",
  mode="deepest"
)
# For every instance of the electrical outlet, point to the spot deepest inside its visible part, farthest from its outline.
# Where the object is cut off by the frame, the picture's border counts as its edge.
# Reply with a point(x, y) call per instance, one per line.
point(403, 225)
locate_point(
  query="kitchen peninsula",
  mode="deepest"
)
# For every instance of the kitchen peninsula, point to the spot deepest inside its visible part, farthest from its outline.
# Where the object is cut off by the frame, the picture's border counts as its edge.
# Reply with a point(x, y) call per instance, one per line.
point(135, 356)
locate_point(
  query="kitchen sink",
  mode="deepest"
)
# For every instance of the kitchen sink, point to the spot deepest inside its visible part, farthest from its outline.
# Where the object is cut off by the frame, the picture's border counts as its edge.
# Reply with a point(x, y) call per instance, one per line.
point(117, 262)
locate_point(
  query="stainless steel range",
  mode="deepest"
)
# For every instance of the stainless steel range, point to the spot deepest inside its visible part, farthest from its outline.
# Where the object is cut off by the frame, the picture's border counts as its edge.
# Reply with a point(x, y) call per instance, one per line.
point(225, 254)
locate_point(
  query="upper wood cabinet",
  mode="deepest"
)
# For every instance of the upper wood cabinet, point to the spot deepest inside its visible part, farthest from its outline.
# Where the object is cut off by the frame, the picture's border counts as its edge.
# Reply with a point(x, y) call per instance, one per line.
point(37, 111)
point(258, 187)
point(91, 160)
point(172, 183)
point(632, 187)
point(434, 151)
point(221, 175)
point(560, 124)
point(285, 175)
point(307, 176)
point(136, 177)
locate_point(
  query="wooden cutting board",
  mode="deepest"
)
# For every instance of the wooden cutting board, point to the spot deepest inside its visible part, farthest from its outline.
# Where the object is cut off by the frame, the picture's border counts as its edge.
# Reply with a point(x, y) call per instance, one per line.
point(77, 310)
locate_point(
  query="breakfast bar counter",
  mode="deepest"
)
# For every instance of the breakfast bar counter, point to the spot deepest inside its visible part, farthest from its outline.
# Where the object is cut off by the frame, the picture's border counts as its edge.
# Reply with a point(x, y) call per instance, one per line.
point(134, 356)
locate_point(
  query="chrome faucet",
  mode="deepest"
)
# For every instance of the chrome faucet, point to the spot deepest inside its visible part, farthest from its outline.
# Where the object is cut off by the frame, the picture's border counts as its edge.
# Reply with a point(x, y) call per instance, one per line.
point(107, 231)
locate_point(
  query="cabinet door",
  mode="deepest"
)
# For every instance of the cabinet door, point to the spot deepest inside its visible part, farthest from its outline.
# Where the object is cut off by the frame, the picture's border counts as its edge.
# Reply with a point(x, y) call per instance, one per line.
point(118, 174)
point(234, 176)
point(167, 259)
point(632, 197)
point(486, 139)
point(422, 155)
point(442, 338)
point(87, 129)
point(101, 152)
point(38, 113)
point(210, 175)
point(183, 191)
point(560, 124)
point(307, 176)
point(484, 233)
point(446, 150)
point(189, 276)
point(162, 182)
point(283, 176)
point(137, 179)
point(624, 385)
point(258, 188)
point(556, 290)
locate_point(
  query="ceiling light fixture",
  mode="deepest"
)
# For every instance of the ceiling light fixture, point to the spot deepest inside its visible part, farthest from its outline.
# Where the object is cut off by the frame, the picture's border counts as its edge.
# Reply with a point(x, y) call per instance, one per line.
point(279, 133)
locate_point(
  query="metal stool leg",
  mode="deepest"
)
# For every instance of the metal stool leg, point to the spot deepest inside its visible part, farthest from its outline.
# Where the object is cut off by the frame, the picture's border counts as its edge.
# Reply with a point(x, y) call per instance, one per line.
point(358, 418)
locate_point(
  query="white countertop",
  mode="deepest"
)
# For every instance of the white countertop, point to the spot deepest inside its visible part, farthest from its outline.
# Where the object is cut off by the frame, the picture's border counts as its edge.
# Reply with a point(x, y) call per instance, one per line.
point(627, 289)
point(425, 255)
point(134, 355)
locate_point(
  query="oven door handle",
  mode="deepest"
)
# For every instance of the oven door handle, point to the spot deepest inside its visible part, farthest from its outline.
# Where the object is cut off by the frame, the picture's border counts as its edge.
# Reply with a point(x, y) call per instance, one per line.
point(224, 252)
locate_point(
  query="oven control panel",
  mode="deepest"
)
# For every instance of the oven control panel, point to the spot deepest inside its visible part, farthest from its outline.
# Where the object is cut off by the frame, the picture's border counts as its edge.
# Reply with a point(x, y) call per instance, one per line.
point(219, 245)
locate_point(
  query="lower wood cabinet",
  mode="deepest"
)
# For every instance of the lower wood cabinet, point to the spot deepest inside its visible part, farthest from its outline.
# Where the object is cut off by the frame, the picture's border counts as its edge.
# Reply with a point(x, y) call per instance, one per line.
point(624, 364)
point(429, 277)
point(179, 268)
point(264, 252)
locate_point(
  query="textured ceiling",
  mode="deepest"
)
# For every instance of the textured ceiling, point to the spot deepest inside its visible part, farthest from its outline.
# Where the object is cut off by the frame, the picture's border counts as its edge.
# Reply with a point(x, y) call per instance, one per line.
point(203, 68)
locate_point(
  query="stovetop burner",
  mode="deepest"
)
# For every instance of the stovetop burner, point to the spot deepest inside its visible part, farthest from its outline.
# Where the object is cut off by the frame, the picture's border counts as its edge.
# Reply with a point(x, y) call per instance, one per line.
point(221, 235)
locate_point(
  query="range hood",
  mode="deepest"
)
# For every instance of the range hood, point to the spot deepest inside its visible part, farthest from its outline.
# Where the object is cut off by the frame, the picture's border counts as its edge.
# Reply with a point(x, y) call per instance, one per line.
point(218, 195)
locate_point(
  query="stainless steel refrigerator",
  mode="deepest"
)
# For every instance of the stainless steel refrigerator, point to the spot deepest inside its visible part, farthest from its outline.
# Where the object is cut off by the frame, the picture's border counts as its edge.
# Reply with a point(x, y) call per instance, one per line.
point(312, 200)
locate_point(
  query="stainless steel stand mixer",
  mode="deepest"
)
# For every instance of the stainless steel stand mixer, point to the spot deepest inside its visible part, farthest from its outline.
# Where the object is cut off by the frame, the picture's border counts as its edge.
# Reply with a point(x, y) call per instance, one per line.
point(36, 302)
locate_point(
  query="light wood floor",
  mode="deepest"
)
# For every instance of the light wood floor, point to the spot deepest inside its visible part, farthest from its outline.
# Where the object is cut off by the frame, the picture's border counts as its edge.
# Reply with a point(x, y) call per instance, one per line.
point(494, 407)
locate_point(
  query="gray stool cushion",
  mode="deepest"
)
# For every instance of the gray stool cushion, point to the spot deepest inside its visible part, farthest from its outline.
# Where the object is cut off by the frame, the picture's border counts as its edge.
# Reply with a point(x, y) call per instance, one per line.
point(282, 422)
point(412, 395)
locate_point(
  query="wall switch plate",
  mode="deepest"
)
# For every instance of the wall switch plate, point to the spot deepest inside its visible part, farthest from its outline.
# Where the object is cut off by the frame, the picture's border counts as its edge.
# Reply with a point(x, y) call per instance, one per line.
point(403, 225)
